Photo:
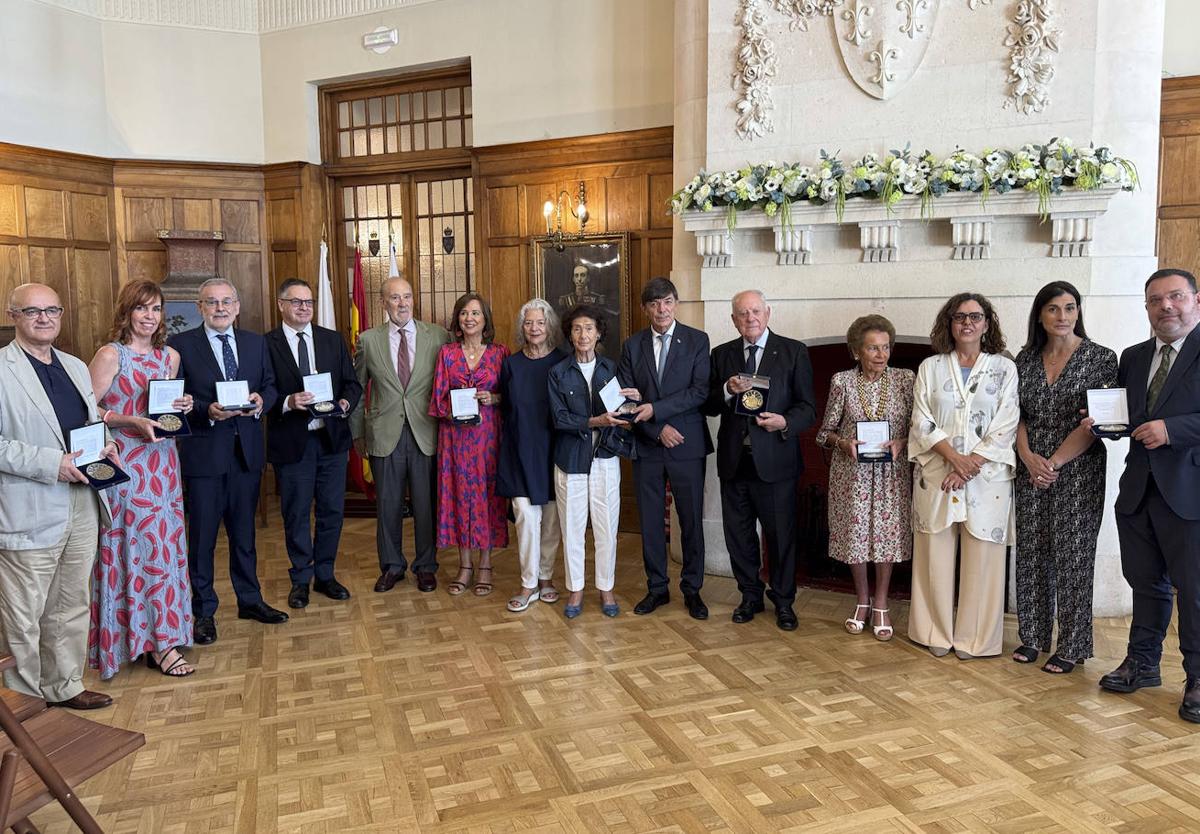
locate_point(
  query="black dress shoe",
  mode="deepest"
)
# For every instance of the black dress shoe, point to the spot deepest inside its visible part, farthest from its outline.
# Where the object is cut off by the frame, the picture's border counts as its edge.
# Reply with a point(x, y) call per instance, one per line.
point(745, 612)
point(204, 631)
point(84, 700)
point(298, 598)
point(1189, 710)
point(388, 579)
point(426, 581)
point(785, 618)
point(331, 588)
point(1131, 676)
point(695, 606)
point(263, 613)
point(650, 602)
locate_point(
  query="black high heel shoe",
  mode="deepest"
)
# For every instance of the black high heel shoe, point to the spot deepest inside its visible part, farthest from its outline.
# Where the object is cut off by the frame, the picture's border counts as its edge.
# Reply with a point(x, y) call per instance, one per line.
point(180, 660)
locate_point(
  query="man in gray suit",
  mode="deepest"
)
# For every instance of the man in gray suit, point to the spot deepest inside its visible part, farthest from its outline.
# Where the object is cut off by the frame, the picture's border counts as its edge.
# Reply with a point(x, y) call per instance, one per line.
point(393, 426)
point(49, 517)
point(1158, 506)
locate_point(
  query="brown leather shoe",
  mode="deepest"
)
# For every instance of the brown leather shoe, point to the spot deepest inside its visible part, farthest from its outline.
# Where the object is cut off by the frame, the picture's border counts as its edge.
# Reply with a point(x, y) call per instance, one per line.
point(85, 700)
point(426, 581)
point(387, 580)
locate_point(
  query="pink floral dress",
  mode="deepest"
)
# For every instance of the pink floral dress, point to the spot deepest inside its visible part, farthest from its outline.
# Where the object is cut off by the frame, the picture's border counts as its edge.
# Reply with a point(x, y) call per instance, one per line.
point(141, 596)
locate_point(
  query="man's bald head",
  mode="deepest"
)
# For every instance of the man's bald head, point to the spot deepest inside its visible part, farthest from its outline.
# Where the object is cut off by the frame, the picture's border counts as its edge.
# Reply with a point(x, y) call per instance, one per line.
point(20, 296)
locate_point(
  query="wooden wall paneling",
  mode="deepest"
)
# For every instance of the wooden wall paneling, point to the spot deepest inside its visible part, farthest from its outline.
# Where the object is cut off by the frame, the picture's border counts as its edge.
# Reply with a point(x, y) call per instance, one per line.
point(144, 218)
point(502, 216)
point(507, 288)
point(239, 221)
point(45, 212)
point(11, 272)
point(297, 210)
point(8, 209)
point(91, 298)
point(1179, 193)
point(661, 189)
point(626, 203)
point(48, 265)
point(1180, 153)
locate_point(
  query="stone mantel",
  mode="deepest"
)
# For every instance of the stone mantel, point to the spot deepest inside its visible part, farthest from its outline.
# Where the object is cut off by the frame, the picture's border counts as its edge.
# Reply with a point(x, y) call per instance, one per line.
point(1070, 230)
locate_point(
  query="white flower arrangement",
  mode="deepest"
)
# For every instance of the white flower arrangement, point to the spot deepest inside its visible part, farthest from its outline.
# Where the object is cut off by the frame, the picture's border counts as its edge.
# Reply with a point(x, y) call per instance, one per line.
point(901, 174)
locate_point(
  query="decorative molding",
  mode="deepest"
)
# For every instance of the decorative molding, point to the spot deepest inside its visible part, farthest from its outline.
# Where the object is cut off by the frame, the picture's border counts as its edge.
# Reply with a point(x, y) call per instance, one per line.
point(800, 12)
point(857, 15)
point(1071, 231)
point(899, 37)
point(242, 16)
point(756, 66)
point(912, 10)
point(975, 4)
point(1033, 42)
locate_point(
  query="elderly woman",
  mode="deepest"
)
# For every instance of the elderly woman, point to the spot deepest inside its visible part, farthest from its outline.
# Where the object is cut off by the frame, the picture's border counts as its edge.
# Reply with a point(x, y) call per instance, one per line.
point(869, 503)
point(526, 473)
point(964, 422)
point(471, 516)
point(589, 440)
point(141, 594)
point(1060, 479)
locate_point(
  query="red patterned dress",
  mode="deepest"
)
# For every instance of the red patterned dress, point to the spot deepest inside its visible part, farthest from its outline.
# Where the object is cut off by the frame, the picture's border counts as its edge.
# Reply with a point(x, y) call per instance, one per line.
point(141, 596)
point(470, 513)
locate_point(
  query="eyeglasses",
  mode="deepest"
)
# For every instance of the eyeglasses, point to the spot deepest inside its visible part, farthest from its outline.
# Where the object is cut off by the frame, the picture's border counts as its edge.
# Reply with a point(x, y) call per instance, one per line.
point(211, 303)
point(299, 303)
point(1176, 297)
point(962, 318)
point(32, 313)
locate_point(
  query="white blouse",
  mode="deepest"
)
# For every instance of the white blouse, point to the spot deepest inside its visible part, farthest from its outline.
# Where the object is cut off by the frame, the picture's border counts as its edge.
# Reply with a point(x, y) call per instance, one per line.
point(978, 416)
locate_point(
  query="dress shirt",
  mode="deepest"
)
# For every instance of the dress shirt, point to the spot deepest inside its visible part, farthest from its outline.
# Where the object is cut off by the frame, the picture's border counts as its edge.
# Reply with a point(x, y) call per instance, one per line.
point(410, 333)
point(758, 355)
point(1176, 346)
point(69, 408)
point(216, 344)
point(656, 339)
point(293, 341)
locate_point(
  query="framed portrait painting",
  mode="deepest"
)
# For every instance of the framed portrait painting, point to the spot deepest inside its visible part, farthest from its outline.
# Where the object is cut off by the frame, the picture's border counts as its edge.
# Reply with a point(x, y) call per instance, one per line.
point(593, 269)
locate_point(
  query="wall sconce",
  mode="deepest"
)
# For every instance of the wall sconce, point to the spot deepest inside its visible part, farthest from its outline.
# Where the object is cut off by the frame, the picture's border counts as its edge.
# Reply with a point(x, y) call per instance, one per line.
point(555, 207)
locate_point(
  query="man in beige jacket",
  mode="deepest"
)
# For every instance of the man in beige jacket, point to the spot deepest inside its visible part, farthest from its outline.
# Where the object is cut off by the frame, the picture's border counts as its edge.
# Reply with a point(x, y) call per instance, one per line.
point(393, 426)
point(49, 516)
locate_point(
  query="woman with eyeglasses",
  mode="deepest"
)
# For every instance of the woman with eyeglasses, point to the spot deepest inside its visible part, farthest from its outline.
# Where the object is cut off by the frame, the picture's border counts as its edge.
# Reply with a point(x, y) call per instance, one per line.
point(141, 594)
point(964, 422)
point(1060, 480)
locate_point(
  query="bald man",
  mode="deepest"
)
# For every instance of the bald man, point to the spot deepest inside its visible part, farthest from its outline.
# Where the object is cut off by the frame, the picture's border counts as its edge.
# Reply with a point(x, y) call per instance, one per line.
point(49, 517)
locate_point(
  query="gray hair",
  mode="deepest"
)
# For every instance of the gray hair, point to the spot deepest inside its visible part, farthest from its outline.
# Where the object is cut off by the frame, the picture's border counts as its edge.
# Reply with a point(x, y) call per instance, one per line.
point(218, 281)
point(762, 296)
point(553, 330)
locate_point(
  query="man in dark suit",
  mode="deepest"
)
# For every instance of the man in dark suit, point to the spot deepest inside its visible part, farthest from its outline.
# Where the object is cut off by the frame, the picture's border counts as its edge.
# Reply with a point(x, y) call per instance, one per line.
point(668, 363)
point(222, 461)
point(758, 458)
point(309, 454)
point(1158, 506)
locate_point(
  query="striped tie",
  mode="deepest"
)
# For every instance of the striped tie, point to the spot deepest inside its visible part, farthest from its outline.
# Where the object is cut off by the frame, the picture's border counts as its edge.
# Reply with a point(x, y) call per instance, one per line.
point(1160, 377)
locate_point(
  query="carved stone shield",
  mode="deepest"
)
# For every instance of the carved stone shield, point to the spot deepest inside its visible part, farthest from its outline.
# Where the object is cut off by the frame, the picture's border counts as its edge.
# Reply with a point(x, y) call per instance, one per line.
point(884, 41)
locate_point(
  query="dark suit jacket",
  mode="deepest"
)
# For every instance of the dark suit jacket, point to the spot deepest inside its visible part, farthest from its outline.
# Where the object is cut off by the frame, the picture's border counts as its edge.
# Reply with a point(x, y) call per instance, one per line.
point(678, 400)
point(776, 454)
point(287, 433)
point(1176, 467)
point(210, 450)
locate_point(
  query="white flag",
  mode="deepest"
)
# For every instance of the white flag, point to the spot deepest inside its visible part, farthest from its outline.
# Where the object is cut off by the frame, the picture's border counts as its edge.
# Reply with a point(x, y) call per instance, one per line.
point(394, 268)
point(325, 317)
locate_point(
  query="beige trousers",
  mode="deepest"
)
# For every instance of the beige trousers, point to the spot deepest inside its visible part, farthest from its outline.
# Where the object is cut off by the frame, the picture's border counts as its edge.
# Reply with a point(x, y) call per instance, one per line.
point(978, 626)
point(595, 496)
point(537, 540)
point(44, 606)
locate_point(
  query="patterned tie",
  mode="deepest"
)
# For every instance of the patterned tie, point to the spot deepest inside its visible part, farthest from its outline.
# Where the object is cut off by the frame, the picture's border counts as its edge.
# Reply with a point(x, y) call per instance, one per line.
point(1160, 377)
point(751, 365)
point(403, 369)
point(302, 350)
point(231, 368)
point(664, 346)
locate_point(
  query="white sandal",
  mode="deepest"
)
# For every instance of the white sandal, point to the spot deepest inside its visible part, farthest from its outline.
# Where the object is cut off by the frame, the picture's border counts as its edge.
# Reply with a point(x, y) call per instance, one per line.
point(856, 626)
point(518, 604)
point(882, 633)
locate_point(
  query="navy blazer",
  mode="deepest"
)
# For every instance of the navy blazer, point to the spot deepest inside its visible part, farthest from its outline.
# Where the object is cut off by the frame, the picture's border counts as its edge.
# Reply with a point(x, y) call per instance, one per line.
point(776, 454)
point(288, 433)
point(572, 404)
point(210, 450)
point(1175, 467)
point(678, 399)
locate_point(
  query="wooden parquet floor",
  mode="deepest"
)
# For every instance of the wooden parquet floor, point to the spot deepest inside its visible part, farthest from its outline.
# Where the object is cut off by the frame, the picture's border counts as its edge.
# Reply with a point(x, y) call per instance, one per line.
point(410, 712)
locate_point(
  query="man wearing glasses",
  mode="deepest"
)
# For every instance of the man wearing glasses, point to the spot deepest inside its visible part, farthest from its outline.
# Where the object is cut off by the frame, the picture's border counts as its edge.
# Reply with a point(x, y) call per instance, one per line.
point(1158, 506)
point(49, 516)
point(309, 452)
point(222, 461)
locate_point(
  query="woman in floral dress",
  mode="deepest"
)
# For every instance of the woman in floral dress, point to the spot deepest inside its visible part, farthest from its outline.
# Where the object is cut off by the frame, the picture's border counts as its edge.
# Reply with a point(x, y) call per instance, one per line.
point(870, 504)
point(141, 595)
point(471, 516)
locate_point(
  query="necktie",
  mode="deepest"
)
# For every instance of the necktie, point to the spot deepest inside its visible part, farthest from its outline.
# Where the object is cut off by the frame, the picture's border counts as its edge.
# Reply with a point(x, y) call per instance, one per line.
point(403, 369)
point(1160, 377)
point(751, 365)
point(302, 350)
point(663, 346)
point(228, 357)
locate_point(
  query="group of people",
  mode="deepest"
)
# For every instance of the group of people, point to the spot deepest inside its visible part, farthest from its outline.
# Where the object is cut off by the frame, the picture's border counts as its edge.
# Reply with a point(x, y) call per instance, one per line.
point(460, 433)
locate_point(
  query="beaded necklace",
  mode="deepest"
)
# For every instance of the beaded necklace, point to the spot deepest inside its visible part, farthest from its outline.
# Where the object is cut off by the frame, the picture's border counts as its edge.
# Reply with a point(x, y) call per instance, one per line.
point(864, 397)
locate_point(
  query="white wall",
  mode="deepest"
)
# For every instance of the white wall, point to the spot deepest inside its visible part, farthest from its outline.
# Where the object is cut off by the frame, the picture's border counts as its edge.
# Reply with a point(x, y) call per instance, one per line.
point(540, 68)
point(1180, 55)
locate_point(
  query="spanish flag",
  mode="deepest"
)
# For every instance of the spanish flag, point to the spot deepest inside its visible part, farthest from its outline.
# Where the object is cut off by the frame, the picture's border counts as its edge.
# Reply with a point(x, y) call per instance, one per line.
point(360, 470)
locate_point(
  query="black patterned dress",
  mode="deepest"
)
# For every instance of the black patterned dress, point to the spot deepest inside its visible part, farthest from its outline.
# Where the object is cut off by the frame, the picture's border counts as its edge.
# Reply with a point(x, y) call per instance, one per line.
point(1057, 527)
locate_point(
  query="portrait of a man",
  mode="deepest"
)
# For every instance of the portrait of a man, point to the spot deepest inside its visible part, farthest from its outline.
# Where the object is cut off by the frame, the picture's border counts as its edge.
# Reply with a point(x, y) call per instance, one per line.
point(588, 271)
